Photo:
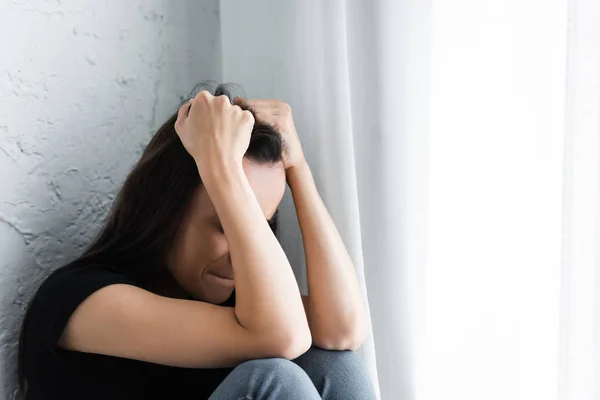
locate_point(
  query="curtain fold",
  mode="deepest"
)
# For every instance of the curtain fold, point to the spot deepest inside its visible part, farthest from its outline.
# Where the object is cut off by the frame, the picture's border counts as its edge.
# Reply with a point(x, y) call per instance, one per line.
point(580, 300)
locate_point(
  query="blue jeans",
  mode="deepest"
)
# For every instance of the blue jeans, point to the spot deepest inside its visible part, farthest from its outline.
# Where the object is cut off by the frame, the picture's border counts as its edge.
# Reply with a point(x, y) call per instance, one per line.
point(317, 374)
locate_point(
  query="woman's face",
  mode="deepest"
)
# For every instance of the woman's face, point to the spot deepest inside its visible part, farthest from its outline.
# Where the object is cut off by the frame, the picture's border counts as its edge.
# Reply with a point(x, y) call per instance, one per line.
point(199, 258)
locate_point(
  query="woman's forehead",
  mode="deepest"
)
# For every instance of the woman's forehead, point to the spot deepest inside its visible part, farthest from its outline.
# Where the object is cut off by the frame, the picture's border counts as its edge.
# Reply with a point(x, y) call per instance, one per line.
point(267, 182)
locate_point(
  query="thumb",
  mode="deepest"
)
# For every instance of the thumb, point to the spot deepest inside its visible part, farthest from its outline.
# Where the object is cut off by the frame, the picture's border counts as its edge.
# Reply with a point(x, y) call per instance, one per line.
point(238, 101)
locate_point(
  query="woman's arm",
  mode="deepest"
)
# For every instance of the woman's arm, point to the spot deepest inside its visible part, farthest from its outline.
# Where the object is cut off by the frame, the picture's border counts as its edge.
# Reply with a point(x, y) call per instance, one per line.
point(334, 304)
point(268, 319)
point(267, 295)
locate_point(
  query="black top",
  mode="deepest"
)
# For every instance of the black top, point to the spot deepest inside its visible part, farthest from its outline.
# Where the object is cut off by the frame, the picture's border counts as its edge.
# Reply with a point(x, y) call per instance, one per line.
point(56, 373)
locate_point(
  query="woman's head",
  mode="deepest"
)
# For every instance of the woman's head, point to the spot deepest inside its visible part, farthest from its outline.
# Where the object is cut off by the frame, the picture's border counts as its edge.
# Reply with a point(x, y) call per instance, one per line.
point(163, 223)
point(199, 257)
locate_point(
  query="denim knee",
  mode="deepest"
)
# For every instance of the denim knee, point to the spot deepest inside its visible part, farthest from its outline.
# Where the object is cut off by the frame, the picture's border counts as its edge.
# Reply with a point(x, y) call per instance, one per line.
point(331, 361)
point(337, 374)
point(328, 357)
point(273, 366)
point(279, 376)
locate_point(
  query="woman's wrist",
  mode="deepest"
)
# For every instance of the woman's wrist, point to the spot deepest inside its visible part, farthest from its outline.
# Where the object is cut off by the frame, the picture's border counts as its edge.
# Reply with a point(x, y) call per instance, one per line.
point(298, 172)
point(217, 170)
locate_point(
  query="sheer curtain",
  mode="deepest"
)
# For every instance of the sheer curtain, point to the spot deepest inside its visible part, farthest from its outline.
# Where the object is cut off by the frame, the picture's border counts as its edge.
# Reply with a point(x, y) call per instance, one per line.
point(580, 312)
point(465, 193)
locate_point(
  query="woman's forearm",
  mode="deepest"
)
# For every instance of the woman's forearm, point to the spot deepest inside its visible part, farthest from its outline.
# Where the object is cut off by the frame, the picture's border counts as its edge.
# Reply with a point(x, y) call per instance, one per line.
point(267, 295)
point(335, 307)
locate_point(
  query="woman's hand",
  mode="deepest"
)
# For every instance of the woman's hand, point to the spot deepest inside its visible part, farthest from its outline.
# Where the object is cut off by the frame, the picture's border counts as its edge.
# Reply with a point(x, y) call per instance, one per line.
point(279, 115)
point(214, 131)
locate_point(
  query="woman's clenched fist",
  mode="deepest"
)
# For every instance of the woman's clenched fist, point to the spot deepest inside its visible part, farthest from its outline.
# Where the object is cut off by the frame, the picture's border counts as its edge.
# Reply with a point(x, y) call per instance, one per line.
point(213, 131)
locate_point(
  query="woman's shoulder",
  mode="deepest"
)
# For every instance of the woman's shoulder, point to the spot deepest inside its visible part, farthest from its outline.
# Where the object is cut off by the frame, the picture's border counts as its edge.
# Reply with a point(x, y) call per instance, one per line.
point(63, 290)
point(82, 277)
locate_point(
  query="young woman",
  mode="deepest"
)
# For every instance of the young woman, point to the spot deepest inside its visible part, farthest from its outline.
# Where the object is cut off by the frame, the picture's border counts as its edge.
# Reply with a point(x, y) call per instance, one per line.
point(186, 292)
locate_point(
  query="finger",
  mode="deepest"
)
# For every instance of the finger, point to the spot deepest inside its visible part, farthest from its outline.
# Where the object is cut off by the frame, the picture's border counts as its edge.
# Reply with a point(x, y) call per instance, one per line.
point(247, 115)
point(261, 115)
point(268, 102)
point(267, 112)
point(184, 110)
point(271, 103)
point(264, 119)
point(204, 95)
point(267, 115)
point(237, 109)
point(240, 100)
point(243, 104)
point(264, 110)
point(256, 104)
point(274, 107)
point(223, 101)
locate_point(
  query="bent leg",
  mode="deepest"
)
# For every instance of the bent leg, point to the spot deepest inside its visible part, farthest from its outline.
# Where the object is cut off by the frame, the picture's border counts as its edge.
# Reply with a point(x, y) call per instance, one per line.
point(337, 374)
point(266, 379)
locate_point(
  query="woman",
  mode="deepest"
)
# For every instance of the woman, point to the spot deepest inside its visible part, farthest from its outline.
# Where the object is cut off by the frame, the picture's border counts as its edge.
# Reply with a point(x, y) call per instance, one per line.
point(150, 310)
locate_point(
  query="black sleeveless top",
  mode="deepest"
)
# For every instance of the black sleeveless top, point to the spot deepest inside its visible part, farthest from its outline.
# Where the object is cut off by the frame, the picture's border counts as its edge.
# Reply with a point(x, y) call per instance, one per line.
point(56, 373)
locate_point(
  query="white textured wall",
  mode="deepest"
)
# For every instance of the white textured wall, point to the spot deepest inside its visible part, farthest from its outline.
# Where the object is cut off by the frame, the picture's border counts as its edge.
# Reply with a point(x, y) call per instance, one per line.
point(83, 84)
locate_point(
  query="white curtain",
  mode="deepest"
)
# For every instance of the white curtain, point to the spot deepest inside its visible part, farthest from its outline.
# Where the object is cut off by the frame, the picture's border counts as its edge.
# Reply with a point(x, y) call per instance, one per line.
point(580, 312)
point(462, 172)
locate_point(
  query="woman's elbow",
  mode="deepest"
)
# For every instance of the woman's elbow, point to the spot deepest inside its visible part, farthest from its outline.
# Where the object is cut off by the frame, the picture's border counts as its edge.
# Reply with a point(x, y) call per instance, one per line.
point(358, 338)
point(296, 348)
point(348, 339)
point(290, 344)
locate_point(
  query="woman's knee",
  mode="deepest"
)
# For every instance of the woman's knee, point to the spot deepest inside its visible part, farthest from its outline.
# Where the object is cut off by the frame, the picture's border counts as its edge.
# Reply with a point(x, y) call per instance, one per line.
point(337, 373)
point(278, 375)
point(272, 366)
point(323, 360)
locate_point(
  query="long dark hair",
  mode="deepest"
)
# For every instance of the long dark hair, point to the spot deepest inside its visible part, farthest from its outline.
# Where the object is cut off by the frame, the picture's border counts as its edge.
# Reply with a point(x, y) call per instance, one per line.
point(151, 204)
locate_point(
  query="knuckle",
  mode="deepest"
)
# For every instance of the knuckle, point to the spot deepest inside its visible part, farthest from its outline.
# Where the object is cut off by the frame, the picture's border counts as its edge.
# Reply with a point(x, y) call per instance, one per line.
point(223, 99)
point(185, 106)
point(247, 115)
point(285, 107)
point(203, 94)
